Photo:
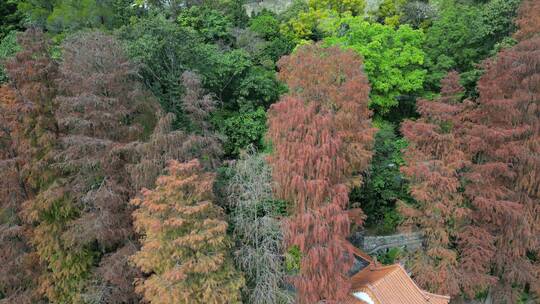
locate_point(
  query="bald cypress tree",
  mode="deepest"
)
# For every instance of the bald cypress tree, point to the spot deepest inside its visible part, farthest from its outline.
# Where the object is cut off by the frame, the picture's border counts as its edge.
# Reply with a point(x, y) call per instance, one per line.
point(29, 132)
point(184, 245)
point(82, 219)
point(165, 143)
point(474, 172)
point(321, 136)
point(435, 161)
point(257, 230)
point(528, 20)
point(502, 140)
point(20, 266)
point(33, 73)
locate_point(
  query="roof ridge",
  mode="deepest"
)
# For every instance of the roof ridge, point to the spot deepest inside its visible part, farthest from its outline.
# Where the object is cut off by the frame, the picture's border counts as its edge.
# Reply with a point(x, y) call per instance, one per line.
point(383, 267)
point(435, 295)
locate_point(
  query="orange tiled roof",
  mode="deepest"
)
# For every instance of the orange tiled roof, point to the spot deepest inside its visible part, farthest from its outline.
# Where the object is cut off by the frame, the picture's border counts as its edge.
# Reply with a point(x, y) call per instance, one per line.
point(391, 285)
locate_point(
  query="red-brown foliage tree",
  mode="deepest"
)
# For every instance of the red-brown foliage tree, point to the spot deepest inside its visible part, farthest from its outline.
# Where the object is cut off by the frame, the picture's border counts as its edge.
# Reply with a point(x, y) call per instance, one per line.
point(334, 79)
point(12, 189)
point(184, 245)
point(528, 20)
point(434, 162)
point(19, 266)
point(83, 218)
point(28, 133)
point(33, 73)
point(502, 141)
point(474, 170)
point(196, 104)
point(321, 135)
point(167, 144)
point(86, 205)
point(150, 159)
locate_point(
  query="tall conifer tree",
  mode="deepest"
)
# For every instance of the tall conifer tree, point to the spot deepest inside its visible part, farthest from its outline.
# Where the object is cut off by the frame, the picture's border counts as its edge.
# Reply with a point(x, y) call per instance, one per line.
point(82, 218)
point(29, 133)
point(502, 142)
point(184, 246)
point(321, 136)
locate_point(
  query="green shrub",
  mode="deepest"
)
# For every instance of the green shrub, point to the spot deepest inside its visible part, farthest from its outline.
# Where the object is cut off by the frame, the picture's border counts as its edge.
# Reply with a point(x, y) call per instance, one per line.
point(244, 129)
point(8, 48)
point(390, 256)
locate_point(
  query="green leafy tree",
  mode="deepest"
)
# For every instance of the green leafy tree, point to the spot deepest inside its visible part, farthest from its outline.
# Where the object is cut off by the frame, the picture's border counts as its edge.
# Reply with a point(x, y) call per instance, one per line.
point(61, 15)
point(384, 184)
point(211, 24)
point(390, 12)
point(257, 87)
point(244, 129)
point(11, 17)
point(463, 36)
point(304, 21)
point(8, 48)
point(37, 11)
point(305, 25)
point(173, 8)
point(266, 24)
point(234, 77)
point(354, 7)
point(393, 58)
point(166, 50)
point(276, 45)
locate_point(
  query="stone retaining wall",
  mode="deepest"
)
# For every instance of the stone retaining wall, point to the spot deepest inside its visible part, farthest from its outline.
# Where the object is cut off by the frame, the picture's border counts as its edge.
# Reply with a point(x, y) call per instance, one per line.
point(276, 6)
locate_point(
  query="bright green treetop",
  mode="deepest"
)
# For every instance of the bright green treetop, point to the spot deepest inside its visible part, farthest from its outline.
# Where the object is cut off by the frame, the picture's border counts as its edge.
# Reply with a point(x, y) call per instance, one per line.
point(463, 36)
point(62, 15)
point(354, 7)
point(306, 25)
point(393, 58)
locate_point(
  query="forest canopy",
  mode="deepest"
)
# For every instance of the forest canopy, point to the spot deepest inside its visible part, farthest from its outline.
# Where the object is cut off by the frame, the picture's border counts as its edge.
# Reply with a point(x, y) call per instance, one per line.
point(239, 151)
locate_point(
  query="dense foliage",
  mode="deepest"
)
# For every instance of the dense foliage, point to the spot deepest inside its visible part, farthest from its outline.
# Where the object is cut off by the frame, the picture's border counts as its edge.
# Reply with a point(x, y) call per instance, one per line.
point(16, 253)
point(465, 34)
point(70, 15)
point(8, 48)
point(383, 186)
point(255, 134)
point(11, 18)
point(433, 161)
point(321, 137)
point(184, 245)
point(240, 78)
point(473, 168)
point(392, 58)
point(528, 21)
point(502, 185)
point(82, 219)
